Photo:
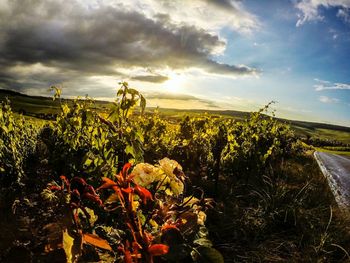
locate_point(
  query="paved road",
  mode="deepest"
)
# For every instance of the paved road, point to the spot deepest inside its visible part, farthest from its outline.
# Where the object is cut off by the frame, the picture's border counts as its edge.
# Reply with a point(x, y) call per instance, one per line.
point(337, 170)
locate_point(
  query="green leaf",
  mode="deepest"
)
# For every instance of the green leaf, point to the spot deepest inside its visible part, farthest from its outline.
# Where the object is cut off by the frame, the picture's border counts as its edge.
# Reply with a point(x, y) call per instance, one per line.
point(207, 255)
point(142, 104)
point(129, 149)
point(57, 91)
point(203, 242)
point(88, 162)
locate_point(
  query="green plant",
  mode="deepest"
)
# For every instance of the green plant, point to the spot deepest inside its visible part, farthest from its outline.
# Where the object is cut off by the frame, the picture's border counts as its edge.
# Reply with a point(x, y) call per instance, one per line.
point(17, 141)
point(97, 143)
point(157, 220)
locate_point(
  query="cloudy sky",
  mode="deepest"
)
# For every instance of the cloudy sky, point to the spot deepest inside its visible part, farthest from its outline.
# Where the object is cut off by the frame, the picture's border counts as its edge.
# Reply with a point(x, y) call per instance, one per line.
point(213, 54)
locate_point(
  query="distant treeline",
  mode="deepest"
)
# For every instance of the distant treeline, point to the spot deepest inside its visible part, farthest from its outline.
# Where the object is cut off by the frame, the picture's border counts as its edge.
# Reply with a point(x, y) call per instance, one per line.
point(44, 116)
point(326, 143)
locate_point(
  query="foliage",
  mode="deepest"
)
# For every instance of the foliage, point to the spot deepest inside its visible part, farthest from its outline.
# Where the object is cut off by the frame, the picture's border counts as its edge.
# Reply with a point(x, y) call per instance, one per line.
point(17, 141)
point(148, 210)
point(159, 135)
point(255, 143)
point(105, 186)
point(96, 143)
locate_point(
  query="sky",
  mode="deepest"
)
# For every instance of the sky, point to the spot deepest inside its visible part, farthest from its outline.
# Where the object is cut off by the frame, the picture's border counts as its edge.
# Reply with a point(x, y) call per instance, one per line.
point(198, 54)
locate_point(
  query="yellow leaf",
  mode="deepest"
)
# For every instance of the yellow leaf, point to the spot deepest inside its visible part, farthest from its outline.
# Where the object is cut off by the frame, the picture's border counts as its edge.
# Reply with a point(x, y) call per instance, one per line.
point(68, 242)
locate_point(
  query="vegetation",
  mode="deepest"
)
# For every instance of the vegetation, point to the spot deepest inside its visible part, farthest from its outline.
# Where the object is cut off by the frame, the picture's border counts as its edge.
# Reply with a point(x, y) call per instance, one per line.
point(115, 185)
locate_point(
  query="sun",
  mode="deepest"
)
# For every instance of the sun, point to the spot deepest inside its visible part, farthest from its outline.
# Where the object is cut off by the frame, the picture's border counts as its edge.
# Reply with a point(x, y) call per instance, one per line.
point(174, 84)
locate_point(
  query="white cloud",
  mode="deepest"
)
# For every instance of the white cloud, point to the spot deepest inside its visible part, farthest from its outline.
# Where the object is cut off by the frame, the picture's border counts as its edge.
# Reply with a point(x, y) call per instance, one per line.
point(344, 14)
point(208, 14)
point(322, 81)
point(326, 85)
point(310, 9)
point(45, 42)
point(328, 100)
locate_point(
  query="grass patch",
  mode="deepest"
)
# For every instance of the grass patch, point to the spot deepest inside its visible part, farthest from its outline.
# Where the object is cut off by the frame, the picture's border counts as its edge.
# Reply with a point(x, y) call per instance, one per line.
point(292, 217)
point(346, 153)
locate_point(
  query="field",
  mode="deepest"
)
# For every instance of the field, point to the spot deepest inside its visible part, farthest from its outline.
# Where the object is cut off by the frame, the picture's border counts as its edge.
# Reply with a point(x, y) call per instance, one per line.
point(85, 181)
point(34, 106)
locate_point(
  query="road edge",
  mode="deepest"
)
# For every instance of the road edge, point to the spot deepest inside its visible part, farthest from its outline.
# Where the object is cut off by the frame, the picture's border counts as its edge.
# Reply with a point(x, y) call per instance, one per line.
point(331, 183)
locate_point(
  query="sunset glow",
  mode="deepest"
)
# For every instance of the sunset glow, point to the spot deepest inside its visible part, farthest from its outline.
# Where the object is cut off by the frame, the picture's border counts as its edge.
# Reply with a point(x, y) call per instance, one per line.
point(294, 52)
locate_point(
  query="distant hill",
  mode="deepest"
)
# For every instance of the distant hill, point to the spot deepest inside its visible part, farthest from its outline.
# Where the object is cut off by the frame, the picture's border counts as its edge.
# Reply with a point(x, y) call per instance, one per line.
point(45, 107)
point(242, 114)
point(37, 106)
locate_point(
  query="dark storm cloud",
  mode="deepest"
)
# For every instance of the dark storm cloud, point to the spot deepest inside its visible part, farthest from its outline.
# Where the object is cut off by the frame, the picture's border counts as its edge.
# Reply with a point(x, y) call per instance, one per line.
point(151, 78)
point(222, 3)
point(89, 41)
point(8, 82)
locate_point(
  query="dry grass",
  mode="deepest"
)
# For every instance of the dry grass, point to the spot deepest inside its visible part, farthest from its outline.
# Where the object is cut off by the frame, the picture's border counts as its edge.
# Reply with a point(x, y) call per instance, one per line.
point(291, 217)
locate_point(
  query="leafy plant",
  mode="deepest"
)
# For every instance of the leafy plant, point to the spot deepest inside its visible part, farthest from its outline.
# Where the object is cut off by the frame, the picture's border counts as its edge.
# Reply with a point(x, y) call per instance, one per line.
point(17, 141)
point(158, 221)
point(95, 143)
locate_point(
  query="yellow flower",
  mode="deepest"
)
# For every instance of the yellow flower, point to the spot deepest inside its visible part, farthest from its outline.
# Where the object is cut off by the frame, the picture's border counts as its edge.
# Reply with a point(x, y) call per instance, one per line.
point(168, 166)
point(176, 186)
point(145, 174)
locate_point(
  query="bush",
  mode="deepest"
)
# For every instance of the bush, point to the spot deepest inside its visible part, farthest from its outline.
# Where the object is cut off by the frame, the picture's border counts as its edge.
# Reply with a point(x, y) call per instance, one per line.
point(17, 141)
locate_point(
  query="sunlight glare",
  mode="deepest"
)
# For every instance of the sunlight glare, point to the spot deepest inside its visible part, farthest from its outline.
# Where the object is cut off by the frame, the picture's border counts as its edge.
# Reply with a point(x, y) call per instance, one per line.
point(175, 83)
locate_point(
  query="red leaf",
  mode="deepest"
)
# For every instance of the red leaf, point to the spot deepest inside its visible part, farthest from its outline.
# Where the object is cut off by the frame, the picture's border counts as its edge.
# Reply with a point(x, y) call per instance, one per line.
point(143, 193)
point(126, 168)
point(65, 181)
point(127, 256)
point(54, 188)
point(94, 198)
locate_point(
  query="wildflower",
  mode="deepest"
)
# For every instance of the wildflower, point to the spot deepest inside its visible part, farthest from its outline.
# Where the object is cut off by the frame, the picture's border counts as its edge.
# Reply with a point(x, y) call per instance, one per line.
point(145, 174)
point(168, 166)
point(173, 170)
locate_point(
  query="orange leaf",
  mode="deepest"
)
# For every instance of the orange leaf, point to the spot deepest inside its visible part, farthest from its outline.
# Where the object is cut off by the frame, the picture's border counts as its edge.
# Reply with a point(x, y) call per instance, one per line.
point(143, 193)
point(108, 183)
point(158, 249)
point(127, 190)
point(126, 168)
point(166, 227)
point(96, 241)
